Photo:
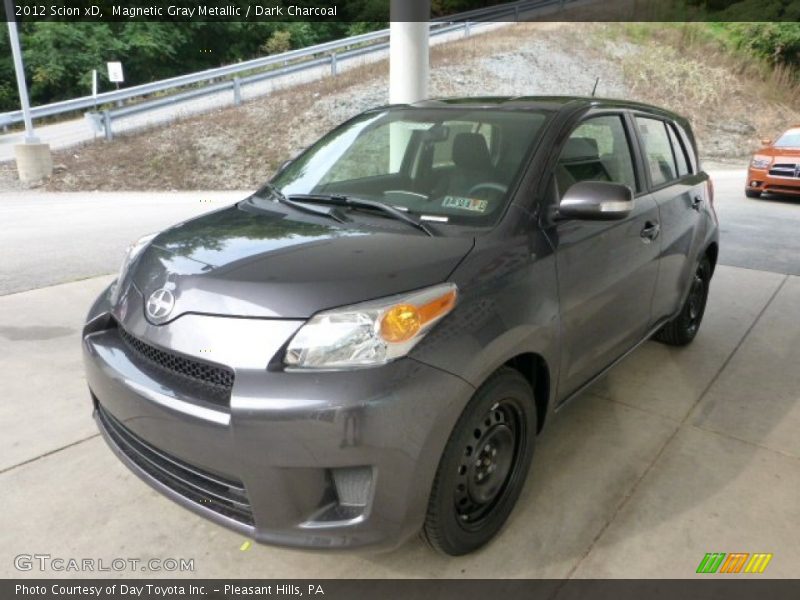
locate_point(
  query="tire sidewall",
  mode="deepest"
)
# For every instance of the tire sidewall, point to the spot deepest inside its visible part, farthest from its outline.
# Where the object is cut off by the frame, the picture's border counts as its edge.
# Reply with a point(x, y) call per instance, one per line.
point(704, 270)
point(453, 537)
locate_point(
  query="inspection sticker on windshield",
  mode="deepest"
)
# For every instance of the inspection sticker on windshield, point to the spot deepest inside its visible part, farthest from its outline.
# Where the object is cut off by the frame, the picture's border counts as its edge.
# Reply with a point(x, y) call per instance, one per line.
point(470, 204)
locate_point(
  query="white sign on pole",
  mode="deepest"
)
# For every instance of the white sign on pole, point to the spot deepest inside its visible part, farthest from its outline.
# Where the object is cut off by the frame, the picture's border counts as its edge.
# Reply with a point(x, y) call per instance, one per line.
point(115, 72)
point(94, 83)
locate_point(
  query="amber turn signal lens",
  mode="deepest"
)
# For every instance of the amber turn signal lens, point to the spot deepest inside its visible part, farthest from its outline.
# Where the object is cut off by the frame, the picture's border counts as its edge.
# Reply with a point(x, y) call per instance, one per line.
point(400, 323)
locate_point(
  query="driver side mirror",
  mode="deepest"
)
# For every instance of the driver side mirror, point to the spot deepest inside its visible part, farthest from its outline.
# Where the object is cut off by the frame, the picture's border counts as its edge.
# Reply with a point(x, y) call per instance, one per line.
point(766, 142)
point(596, 201)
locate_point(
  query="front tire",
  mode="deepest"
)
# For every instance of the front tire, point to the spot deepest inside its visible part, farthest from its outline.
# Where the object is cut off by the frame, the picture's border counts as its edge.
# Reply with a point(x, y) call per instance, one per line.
point(683, 328)
point(484, 465)
point(752, 194)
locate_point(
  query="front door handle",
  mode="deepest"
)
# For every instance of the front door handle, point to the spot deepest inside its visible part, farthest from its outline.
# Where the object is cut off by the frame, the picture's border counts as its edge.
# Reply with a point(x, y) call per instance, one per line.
point(696, 202)
point(650, 231)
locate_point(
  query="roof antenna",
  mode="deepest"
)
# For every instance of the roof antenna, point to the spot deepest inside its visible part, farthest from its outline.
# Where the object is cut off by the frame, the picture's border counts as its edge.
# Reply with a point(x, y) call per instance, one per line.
point(594, 89)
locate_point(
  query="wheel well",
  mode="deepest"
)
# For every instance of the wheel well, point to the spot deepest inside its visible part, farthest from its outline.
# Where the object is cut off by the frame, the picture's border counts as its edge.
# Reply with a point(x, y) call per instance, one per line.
point(712, 252)
point(534, 368)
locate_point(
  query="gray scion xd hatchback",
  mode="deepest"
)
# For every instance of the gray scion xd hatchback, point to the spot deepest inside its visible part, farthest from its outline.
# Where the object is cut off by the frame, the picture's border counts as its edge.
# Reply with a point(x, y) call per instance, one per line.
point(369, 345)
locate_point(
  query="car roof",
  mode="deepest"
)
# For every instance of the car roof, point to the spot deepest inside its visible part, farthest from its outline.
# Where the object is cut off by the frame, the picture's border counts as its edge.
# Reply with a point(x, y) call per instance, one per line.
point(557, 103)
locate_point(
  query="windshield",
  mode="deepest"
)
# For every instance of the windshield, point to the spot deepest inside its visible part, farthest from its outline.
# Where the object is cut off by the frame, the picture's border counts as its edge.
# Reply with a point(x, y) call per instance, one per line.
point(446, 165)
point(790, 139)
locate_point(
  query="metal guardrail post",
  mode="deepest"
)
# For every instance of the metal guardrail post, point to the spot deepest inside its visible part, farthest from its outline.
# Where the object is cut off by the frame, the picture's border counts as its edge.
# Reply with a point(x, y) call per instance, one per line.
point(516, 13)
point(334, 67)
point(237, 91)
point(467, 29)
point(107, 125)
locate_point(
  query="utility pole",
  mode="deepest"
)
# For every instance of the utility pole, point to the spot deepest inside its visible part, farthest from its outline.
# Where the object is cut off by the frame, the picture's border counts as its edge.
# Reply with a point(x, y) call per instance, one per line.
point(33, 158)
point(13, 38)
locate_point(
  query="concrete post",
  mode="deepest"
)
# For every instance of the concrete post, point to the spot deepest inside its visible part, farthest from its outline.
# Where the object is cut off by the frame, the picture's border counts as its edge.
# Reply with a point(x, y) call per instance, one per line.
point(34, 162)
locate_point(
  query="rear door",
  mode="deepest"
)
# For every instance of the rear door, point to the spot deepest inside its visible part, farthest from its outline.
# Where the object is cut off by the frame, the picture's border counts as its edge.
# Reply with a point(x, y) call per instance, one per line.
point(679, 189)
point(606, 269)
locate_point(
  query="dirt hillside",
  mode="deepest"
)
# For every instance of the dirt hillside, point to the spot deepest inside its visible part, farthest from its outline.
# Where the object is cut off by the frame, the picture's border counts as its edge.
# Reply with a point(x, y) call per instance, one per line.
point(239, 147)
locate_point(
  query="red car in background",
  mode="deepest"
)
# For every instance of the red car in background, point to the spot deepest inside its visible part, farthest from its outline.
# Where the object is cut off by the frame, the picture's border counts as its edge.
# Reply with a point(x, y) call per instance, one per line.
point(775, 168)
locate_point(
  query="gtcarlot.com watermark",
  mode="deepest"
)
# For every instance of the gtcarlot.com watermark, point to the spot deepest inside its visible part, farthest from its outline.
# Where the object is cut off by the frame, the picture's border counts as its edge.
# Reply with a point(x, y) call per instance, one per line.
point(48, 563)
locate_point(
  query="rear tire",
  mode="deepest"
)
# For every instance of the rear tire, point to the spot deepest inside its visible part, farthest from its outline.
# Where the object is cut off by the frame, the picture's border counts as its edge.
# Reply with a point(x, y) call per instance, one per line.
point(484, 465)
point(752, 194)
point(683, 328)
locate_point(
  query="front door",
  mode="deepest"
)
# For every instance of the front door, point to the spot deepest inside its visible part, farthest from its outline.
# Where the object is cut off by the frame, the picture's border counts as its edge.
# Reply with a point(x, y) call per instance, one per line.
point(607, 270)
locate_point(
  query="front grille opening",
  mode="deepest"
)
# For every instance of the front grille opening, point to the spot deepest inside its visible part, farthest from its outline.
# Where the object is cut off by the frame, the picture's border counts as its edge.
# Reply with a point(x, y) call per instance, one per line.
point(784, 170)
point(220, 494)
point(210, 382)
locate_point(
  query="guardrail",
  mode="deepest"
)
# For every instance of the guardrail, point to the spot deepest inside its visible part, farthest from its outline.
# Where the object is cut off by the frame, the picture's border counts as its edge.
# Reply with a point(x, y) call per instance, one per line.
point(276, 65)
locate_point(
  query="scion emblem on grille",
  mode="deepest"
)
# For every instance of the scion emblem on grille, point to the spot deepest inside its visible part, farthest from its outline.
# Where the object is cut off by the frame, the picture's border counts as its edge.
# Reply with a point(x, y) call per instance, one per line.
point(160, 303)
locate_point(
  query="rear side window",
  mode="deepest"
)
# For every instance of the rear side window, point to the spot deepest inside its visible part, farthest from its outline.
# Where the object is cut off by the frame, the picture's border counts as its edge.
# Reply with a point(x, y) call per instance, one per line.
point(680, 155)
point(598, 150)
point(658, 150)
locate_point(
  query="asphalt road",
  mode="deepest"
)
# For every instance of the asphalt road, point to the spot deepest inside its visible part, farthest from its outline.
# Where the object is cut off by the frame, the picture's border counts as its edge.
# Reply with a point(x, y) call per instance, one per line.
point(756, 234)
point(48, 239)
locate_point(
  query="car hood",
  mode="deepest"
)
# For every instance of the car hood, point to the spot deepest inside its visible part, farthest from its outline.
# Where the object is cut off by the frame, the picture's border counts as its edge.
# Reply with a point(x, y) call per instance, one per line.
point(780, 155)
point(258, 263)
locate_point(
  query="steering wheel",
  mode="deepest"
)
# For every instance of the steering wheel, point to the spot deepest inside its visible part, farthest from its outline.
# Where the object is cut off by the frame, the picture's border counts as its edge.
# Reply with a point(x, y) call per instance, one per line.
point(497, 187)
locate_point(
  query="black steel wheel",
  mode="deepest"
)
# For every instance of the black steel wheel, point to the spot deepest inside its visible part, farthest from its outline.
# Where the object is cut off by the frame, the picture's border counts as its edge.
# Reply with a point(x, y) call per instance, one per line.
point(484, 465)
point(752, 194)
point(683, 329)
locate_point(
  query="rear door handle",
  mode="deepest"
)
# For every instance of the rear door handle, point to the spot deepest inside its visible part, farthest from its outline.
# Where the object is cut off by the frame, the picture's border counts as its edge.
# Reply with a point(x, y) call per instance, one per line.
point(696, 202)
point(650, 231)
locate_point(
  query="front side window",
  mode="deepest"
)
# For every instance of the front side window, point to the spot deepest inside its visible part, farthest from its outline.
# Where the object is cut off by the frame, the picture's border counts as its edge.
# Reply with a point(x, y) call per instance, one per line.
point(658, 150)
point(598, 150)
point(455, 164)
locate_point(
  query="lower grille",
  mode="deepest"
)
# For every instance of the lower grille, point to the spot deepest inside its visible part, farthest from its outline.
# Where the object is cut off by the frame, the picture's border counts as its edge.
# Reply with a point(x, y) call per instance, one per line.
point(210, 382)
point(224, 496)
point(783, 188)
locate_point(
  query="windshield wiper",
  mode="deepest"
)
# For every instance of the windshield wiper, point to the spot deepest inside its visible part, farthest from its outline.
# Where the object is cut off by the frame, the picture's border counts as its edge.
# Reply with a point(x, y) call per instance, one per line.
point(351, 202)
point(270, 190)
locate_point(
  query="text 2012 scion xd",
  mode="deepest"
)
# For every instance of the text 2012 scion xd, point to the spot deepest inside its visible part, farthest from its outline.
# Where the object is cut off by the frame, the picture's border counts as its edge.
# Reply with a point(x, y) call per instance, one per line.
point(369, 345)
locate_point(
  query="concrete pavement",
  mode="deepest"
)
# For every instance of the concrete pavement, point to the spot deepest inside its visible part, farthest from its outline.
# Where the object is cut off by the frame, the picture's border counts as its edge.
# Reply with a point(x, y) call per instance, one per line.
point(675, 454)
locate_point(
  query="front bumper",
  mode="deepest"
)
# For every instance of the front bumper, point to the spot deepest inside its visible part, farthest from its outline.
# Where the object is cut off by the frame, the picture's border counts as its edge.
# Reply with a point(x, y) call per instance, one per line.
point(335, 459)
point(760, 180)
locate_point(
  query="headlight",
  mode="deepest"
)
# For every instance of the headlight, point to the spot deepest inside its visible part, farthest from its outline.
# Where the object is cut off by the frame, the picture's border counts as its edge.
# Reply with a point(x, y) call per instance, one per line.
point(130, 255)
point(369, 334)
point(760, 162)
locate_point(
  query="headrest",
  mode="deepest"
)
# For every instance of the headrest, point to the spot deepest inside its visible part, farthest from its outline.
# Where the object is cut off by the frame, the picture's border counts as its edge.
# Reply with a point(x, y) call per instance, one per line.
point(580, 149)
point(470, 151)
